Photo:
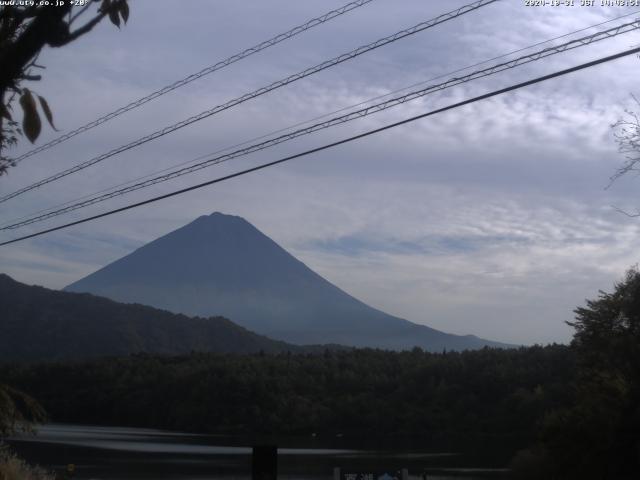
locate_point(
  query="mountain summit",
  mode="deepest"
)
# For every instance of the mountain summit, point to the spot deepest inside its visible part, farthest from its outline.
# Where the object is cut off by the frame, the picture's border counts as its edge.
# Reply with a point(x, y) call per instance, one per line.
point(222, 265)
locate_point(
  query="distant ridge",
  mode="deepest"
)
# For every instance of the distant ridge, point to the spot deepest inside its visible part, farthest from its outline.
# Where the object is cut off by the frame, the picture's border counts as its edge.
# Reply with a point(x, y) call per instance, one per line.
point(222, 265)
point(38, 324)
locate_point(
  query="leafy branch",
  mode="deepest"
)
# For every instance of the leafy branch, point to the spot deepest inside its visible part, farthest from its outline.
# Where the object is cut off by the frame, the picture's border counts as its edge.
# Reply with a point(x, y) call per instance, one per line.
point(24, 31)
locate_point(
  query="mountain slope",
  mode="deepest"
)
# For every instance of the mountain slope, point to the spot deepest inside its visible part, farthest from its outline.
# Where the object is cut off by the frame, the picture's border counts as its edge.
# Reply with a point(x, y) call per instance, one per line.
point(222, 265)
point(41, 324)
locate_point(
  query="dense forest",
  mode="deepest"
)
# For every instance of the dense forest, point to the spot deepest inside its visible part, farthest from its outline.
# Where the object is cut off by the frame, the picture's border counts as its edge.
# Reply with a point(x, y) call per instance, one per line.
point(487, 392)
point(576, 408)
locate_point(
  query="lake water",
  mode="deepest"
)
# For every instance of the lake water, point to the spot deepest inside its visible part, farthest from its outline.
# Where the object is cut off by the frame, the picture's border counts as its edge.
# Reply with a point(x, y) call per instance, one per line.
point(112, 453)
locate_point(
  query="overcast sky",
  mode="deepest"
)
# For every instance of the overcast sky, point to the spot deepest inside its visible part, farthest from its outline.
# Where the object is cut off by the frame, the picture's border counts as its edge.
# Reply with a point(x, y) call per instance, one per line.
point(491, 219)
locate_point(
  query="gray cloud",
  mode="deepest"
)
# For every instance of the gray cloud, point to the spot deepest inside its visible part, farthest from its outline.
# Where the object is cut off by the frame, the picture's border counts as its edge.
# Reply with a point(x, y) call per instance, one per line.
point(491, 219)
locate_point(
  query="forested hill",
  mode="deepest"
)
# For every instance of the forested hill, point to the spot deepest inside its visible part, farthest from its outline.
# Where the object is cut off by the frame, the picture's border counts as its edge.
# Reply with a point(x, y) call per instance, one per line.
point(41, 324)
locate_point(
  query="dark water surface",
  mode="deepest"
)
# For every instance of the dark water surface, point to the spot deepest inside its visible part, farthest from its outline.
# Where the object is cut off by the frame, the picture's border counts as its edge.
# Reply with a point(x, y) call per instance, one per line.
point(112, 453)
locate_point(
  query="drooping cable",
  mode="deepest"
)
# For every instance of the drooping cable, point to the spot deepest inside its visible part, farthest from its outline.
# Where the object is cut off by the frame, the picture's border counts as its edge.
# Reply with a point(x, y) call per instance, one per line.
point(314, 22)
point(334, 144)
point(315, 119)
point(393, 102)
point(256, 93)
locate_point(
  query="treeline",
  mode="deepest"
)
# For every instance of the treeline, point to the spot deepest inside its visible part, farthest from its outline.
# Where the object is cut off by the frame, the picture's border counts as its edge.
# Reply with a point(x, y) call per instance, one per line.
point(577, 407)
point(488, 392)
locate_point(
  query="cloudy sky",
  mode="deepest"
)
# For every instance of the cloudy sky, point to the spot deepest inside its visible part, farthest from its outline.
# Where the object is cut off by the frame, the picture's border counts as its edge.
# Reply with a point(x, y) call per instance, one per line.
point(491, 219)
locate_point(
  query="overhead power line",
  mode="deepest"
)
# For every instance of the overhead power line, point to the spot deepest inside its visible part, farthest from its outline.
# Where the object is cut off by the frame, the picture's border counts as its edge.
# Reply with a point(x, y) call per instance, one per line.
point(195, 76)
point(315, 119)
point(261, 91)
point(390, 103)
point(334, 144)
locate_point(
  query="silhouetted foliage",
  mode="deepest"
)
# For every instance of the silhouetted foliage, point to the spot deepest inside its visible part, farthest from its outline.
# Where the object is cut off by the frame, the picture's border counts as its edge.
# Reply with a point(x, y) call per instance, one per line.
point(18, 411)
point(14, 468)
point(25, 29)
point(598, 437)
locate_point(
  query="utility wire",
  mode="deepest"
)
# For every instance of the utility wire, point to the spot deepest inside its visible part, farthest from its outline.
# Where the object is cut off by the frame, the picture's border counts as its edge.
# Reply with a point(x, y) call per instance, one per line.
point(393, 102)
point(314, 119)
point(195, 76)
point(334, 144)
point(261, 91)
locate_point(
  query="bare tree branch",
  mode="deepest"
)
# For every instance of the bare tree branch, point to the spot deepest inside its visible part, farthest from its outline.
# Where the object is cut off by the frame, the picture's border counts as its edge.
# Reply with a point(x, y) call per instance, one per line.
point(33, 78)
point(627, 136)
point(624, 212)
point(86, 28)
